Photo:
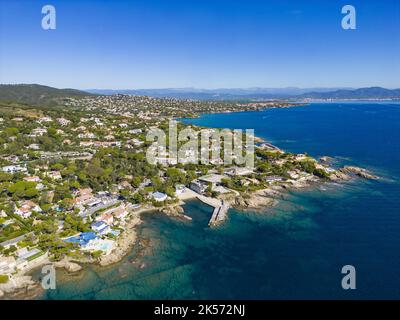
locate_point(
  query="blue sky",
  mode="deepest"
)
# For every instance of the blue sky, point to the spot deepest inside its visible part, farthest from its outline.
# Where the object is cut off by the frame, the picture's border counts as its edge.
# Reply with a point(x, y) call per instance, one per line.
point(205, 44)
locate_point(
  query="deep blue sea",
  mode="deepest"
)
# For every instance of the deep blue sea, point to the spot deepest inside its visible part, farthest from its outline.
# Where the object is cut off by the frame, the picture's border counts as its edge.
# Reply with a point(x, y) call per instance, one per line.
point(293, 251)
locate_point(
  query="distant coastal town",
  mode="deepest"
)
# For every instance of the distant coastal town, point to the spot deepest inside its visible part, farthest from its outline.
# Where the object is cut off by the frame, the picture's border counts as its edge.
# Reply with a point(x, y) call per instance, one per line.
point(75, 179)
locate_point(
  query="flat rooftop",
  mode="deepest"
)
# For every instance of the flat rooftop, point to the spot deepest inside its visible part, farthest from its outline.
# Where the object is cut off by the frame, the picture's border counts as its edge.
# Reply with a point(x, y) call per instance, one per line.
point(213, 178)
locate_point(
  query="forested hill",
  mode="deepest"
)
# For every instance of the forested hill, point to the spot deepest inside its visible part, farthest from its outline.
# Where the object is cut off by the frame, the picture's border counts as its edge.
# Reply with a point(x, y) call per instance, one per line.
point(34, 94)
point(361, 93)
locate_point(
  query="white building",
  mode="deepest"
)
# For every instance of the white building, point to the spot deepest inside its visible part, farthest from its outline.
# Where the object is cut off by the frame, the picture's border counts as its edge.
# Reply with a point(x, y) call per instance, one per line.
point(14, 169)
point(34, 146)
point(55, 175)
point(45, 119)
point(159, 196)
point(26, 209)
point(38, 132)
point(198, 186)
point(135, 131)
point(7, 265)
point(101, 227)
point(179, 189)
point(239, 171)
point(63, 121)
point(87, 135)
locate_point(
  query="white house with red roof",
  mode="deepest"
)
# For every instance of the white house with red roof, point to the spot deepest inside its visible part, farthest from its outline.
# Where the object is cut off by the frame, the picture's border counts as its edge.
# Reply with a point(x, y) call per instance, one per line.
point(27, 208)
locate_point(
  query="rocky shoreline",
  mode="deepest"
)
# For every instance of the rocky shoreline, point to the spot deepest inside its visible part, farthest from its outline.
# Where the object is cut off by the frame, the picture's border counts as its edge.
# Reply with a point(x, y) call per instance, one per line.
point(23, 286)
point(124, 243)
point(269, 197)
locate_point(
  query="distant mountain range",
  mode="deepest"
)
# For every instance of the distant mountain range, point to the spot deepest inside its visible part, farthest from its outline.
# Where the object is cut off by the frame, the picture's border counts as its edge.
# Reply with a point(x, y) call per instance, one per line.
point(34, 94)
point(362, 93)
point(227, 91)
point(216, 94)
point(262, 93)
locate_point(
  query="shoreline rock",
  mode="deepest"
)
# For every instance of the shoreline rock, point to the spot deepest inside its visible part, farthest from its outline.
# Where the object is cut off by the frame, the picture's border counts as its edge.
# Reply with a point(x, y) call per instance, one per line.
point(173, 210)
point(255, 201)
point(23, 286)
point(360, 172)
point(68, 265)
point(17, 283)
point(326, 159)
point(339, 175)
point(124, 244)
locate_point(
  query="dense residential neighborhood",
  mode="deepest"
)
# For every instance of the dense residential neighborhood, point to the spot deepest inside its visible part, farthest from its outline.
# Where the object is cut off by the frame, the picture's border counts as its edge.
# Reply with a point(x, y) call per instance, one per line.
point(147, 108)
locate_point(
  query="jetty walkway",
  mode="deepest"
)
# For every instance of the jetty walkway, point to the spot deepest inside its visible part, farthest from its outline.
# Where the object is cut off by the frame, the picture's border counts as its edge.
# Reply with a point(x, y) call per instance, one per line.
point(220, 209)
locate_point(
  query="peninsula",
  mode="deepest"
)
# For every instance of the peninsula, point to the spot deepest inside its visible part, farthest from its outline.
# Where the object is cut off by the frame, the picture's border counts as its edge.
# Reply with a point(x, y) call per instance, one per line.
point(75, 179)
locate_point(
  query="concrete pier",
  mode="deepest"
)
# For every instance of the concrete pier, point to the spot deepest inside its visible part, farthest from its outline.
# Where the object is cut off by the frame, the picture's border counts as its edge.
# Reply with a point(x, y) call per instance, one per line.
point(220, 210)
point(219, 215)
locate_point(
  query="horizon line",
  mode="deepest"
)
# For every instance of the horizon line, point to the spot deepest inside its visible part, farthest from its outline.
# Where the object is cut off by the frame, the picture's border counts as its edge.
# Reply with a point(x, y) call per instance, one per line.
point(212, 89)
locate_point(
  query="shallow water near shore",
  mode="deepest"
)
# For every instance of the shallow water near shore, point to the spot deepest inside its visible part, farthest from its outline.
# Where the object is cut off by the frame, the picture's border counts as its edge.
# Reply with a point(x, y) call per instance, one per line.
point(293, 251)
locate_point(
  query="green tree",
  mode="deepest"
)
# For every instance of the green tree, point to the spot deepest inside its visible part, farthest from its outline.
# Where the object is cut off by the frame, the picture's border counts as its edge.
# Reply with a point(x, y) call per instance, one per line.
point(3, 278)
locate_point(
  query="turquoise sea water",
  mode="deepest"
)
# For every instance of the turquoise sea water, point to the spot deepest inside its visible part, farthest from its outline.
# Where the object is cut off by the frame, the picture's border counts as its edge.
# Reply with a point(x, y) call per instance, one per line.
point(295, 250)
